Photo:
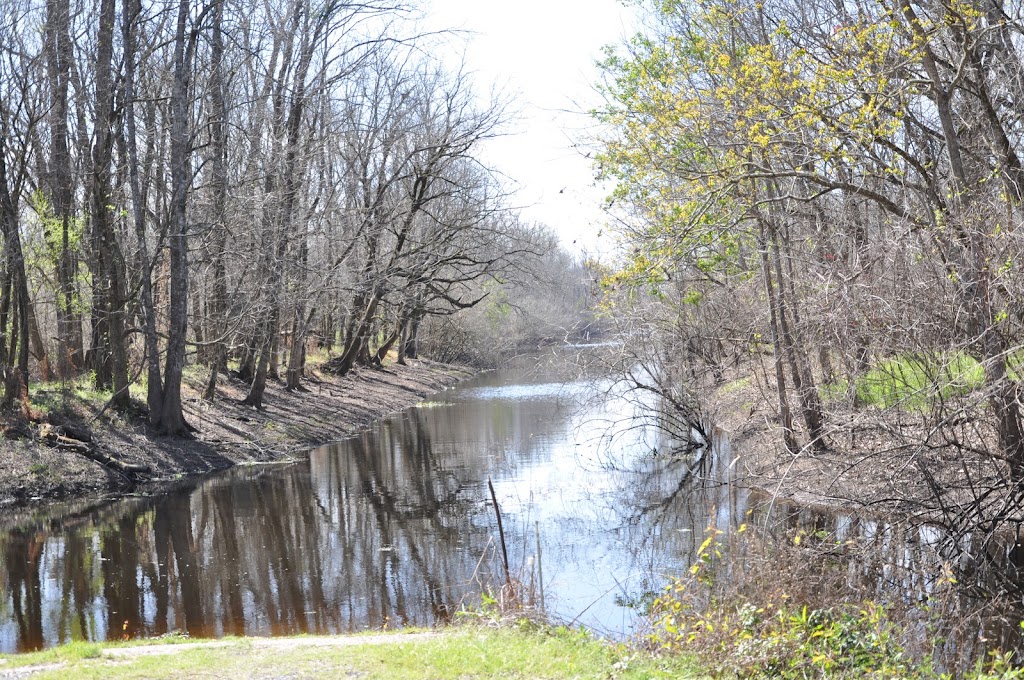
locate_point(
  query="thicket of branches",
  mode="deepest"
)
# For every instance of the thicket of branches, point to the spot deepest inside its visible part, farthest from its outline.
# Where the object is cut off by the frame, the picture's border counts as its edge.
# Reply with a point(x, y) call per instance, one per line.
point(549, 303)
point(234, 180)
point(834, 191)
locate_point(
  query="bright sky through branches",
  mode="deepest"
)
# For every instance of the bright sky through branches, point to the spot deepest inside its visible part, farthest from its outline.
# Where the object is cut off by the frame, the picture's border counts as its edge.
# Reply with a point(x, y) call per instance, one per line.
point(543, 53)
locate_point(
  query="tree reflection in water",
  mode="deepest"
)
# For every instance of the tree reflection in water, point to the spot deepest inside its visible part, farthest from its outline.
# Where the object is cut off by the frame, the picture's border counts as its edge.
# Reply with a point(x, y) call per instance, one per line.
point(388, 528)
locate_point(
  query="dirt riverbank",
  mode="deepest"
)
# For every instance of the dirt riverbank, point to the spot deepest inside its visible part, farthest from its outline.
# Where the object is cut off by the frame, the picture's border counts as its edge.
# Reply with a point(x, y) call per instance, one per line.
point(43, 461)
point(875, 459)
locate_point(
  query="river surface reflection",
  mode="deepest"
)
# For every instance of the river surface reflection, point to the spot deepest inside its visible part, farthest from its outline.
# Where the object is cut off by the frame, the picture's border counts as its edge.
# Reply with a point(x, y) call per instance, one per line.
point(390, 528)
point(394, 527)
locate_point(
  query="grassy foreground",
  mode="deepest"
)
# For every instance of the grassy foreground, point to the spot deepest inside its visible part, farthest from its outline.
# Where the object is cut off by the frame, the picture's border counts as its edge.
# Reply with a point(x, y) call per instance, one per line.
point(463, 653)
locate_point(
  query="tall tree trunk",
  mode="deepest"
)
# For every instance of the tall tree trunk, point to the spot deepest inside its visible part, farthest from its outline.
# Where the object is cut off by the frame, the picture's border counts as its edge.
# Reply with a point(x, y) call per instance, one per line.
point(382, 351)
point(218, 165)
point(108, 285)
point(293, 373)
point(60, 186)
point(254, 397)
point(289, 106)
point(785, 413)
point(803, 378)
point(808, 402)
point(356, 344)
point(38, 346)
point(274, 369)
point(172, 419)
point(247, 359)
point(14, 298)
point(411, 341)
point(1006, 393)
point(154, 383)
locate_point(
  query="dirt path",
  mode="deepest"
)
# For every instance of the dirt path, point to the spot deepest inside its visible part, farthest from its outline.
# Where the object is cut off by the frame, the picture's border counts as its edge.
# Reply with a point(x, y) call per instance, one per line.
point(228, 433)
point(272, 644)
point(275, 645)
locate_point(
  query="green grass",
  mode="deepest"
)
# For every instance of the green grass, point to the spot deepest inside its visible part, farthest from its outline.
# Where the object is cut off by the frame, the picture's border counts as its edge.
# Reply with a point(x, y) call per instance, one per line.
point(53, 395)
point(914, 382)
point(464, 653)
point(70, 653)
point(735, 386)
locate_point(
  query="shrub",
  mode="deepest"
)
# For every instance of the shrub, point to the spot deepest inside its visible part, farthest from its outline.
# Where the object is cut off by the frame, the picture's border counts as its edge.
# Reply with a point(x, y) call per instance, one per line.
point(774, 636)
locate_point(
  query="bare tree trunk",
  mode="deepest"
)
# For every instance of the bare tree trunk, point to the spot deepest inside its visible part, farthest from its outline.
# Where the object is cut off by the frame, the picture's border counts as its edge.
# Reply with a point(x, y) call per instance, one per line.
point(785, 413)
point(357, 343)
point(13, 361)
point(297, 353)
point(38, 346)
point(1005, 400)
point(247, 360)
point(790, 327)
point(382, 352)
point(794, 351)
point(274, 369)
point(218, 164)
point(259, 382)
point(172, 419)
point(154, 382)
point(109, 291)
point(287, 124)
point(60, 185)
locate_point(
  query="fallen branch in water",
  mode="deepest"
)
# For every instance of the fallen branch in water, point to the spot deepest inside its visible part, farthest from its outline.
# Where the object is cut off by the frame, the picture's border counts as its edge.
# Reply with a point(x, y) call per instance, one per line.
point(501, 535)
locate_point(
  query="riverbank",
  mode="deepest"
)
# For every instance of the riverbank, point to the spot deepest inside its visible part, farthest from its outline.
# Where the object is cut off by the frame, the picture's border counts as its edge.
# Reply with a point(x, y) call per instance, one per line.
point(464, 652)
point(877, 458)
point(55, 456)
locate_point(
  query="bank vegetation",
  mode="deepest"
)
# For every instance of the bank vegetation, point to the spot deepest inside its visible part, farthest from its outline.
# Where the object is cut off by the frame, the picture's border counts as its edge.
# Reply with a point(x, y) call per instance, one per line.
point(820, 208)
point(821, 204)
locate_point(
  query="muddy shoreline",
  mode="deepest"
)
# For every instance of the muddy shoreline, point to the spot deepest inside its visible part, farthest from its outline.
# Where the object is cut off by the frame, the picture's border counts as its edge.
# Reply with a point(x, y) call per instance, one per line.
point(875, 460)
point(34, 472)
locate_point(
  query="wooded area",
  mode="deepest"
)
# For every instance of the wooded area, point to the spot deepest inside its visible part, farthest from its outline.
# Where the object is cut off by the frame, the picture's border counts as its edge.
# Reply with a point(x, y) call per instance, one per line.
point(196, 182)
point(830, 194)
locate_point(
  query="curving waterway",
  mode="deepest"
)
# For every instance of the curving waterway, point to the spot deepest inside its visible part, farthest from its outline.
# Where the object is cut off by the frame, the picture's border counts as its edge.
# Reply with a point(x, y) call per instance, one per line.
point(394, 527)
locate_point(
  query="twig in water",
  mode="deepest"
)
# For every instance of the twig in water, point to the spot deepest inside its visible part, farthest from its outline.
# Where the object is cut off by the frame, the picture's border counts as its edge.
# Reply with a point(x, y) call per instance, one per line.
point(540, 570)
point(501, 536)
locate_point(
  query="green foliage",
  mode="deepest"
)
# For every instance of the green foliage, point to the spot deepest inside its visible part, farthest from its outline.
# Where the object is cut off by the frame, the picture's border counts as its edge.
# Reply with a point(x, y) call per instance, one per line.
point(837, 390)
point(1000, 666)
point(918, 381)
point(735, 385)
point(58, 395)
point(53, 240)
point(766, 631)
point(913, 382)
point(84, 389)
point(45, 400)
point(497, 306)
point(698, 113)
point(69, 653)
point(53, 226)
point(776, 638)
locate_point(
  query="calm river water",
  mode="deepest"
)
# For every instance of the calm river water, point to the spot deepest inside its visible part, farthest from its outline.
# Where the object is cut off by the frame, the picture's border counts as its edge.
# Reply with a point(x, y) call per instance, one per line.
point(393, 527)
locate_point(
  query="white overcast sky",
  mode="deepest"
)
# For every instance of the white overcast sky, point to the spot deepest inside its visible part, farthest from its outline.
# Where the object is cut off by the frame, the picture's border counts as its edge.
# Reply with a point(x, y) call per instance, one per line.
point(543, 54)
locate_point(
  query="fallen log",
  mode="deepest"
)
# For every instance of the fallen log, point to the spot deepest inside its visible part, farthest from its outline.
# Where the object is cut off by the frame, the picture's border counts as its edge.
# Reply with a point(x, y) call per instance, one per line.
point(54, 436)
